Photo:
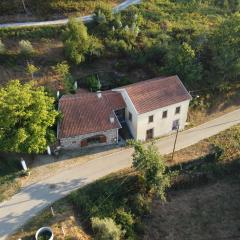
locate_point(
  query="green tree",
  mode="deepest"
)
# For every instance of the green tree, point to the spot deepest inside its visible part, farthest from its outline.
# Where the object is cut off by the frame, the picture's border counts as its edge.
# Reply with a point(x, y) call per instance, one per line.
point(182, 60)
point(234, 5)
point(78, 44)
point(93, 83)
point(32, 69)
point(63, 71)
point(26, 115)
point(151, 166)
point(225, 50)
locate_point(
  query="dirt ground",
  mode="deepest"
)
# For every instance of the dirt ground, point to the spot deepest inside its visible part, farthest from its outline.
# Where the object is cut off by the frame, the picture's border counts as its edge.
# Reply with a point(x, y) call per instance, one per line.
point(60, 219)
point(210, 212)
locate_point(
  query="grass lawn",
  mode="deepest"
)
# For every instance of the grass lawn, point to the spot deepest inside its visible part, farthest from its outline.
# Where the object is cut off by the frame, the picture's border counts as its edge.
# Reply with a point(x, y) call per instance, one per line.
point(10, 171)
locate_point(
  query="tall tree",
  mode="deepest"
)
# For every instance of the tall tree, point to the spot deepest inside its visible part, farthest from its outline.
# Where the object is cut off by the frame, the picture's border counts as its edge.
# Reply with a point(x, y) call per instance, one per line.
point(151, 166)
point(181, 59)
point(26, 115)
point(78, 44)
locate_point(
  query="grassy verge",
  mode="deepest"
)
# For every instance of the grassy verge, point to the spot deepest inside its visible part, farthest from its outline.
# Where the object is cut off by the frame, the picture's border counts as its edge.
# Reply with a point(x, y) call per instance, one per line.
point(9, 177)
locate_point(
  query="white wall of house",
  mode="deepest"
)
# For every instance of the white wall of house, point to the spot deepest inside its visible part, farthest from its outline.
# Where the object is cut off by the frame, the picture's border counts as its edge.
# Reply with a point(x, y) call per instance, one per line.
point(130, 108)
point(75, 142)
point(161, 126)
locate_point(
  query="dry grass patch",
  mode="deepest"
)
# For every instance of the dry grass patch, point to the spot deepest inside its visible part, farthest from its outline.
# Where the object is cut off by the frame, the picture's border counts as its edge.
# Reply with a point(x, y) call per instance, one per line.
point(204, 213)
point(63, 223)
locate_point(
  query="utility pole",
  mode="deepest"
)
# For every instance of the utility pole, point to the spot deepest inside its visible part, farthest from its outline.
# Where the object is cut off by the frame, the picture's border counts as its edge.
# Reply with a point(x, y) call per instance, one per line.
point(175, 141)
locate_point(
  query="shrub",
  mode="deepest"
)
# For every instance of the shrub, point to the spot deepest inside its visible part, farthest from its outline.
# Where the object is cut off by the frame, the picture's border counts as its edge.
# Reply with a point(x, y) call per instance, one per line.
point(93, 83)
point(106, 229)
point(140, 204)
point(125, 219)
point(26, 47)
point(78, 44)
point(2, 47)
point(32, 69)
point(63, 71)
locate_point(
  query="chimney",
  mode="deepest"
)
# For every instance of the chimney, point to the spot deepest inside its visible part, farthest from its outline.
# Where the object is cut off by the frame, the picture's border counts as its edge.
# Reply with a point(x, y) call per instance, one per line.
point(99, 94)
point(112, 119)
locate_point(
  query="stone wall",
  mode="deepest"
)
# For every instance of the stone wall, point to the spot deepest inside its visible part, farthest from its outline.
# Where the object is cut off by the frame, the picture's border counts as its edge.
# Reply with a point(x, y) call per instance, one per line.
point(75, 142)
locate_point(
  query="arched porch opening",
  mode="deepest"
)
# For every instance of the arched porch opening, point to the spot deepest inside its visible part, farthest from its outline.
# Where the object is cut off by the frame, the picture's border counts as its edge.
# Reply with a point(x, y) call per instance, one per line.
point(97, 139)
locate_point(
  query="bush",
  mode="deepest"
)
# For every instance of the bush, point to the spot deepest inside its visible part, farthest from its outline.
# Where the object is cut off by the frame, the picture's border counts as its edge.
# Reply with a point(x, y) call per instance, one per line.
point(32, 32)
point(63, 71)
point(125, 219)
point(78, 44)
point(2, 47)
point(26, 47)
point(140, 204)
point(93, 83)
point(106, 229)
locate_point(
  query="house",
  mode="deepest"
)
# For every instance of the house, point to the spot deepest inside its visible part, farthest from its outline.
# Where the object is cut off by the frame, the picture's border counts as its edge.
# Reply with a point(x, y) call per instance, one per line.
point(150, 109)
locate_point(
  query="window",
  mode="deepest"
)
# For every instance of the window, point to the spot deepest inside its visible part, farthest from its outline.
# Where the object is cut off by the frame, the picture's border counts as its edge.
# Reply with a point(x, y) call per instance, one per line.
point(130, 116)
point(175, 124)
point(149, 134)
point(178, 109)
point(150, 119)
point(164, 115)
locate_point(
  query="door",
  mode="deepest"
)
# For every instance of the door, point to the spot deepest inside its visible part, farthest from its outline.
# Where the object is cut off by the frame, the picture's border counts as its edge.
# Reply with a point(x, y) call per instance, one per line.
point(149, 134)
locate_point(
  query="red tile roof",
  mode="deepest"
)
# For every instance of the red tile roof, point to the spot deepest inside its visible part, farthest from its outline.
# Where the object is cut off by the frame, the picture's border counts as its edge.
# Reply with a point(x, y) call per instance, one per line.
point(85, 113)
point(157, 93)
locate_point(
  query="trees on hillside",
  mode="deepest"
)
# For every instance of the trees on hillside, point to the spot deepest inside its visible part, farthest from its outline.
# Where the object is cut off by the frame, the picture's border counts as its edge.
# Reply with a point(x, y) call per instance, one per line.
point(225, 49)
point(181, 59)
point(78, 44)
point(232, 5)
point(26, 115)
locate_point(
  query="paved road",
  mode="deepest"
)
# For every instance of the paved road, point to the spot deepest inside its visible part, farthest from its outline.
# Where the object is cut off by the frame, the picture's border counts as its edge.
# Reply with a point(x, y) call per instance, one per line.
point(24, 205)
point(88, 18)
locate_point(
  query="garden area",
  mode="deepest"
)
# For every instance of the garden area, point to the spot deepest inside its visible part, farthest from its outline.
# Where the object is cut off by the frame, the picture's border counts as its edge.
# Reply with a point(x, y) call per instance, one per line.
point(143, 202)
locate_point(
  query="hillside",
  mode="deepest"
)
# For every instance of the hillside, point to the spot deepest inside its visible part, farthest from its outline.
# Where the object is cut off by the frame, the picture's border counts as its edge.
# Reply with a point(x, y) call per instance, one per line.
point(15, 10)
point(188, 38)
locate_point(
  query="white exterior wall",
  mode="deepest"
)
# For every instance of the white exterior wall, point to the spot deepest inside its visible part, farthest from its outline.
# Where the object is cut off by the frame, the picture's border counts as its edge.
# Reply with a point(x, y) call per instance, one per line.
point(75, 142)
point(130, 108)
point(161, 126)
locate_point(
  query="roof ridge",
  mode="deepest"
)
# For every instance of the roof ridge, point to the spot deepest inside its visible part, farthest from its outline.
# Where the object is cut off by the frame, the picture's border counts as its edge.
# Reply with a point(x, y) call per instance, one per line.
point(147, 81)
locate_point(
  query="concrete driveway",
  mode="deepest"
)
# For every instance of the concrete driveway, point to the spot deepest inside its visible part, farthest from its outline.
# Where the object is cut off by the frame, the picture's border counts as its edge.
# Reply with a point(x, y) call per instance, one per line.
point(27, 203)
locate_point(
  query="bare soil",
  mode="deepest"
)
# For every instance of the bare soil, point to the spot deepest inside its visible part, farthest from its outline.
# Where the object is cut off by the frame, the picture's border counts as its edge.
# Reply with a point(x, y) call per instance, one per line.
point(205, 213)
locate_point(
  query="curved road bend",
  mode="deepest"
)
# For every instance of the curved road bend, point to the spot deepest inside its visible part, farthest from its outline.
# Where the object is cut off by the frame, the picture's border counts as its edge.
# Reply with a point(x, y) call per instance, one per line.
point(85, 19)
point(27, 203)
